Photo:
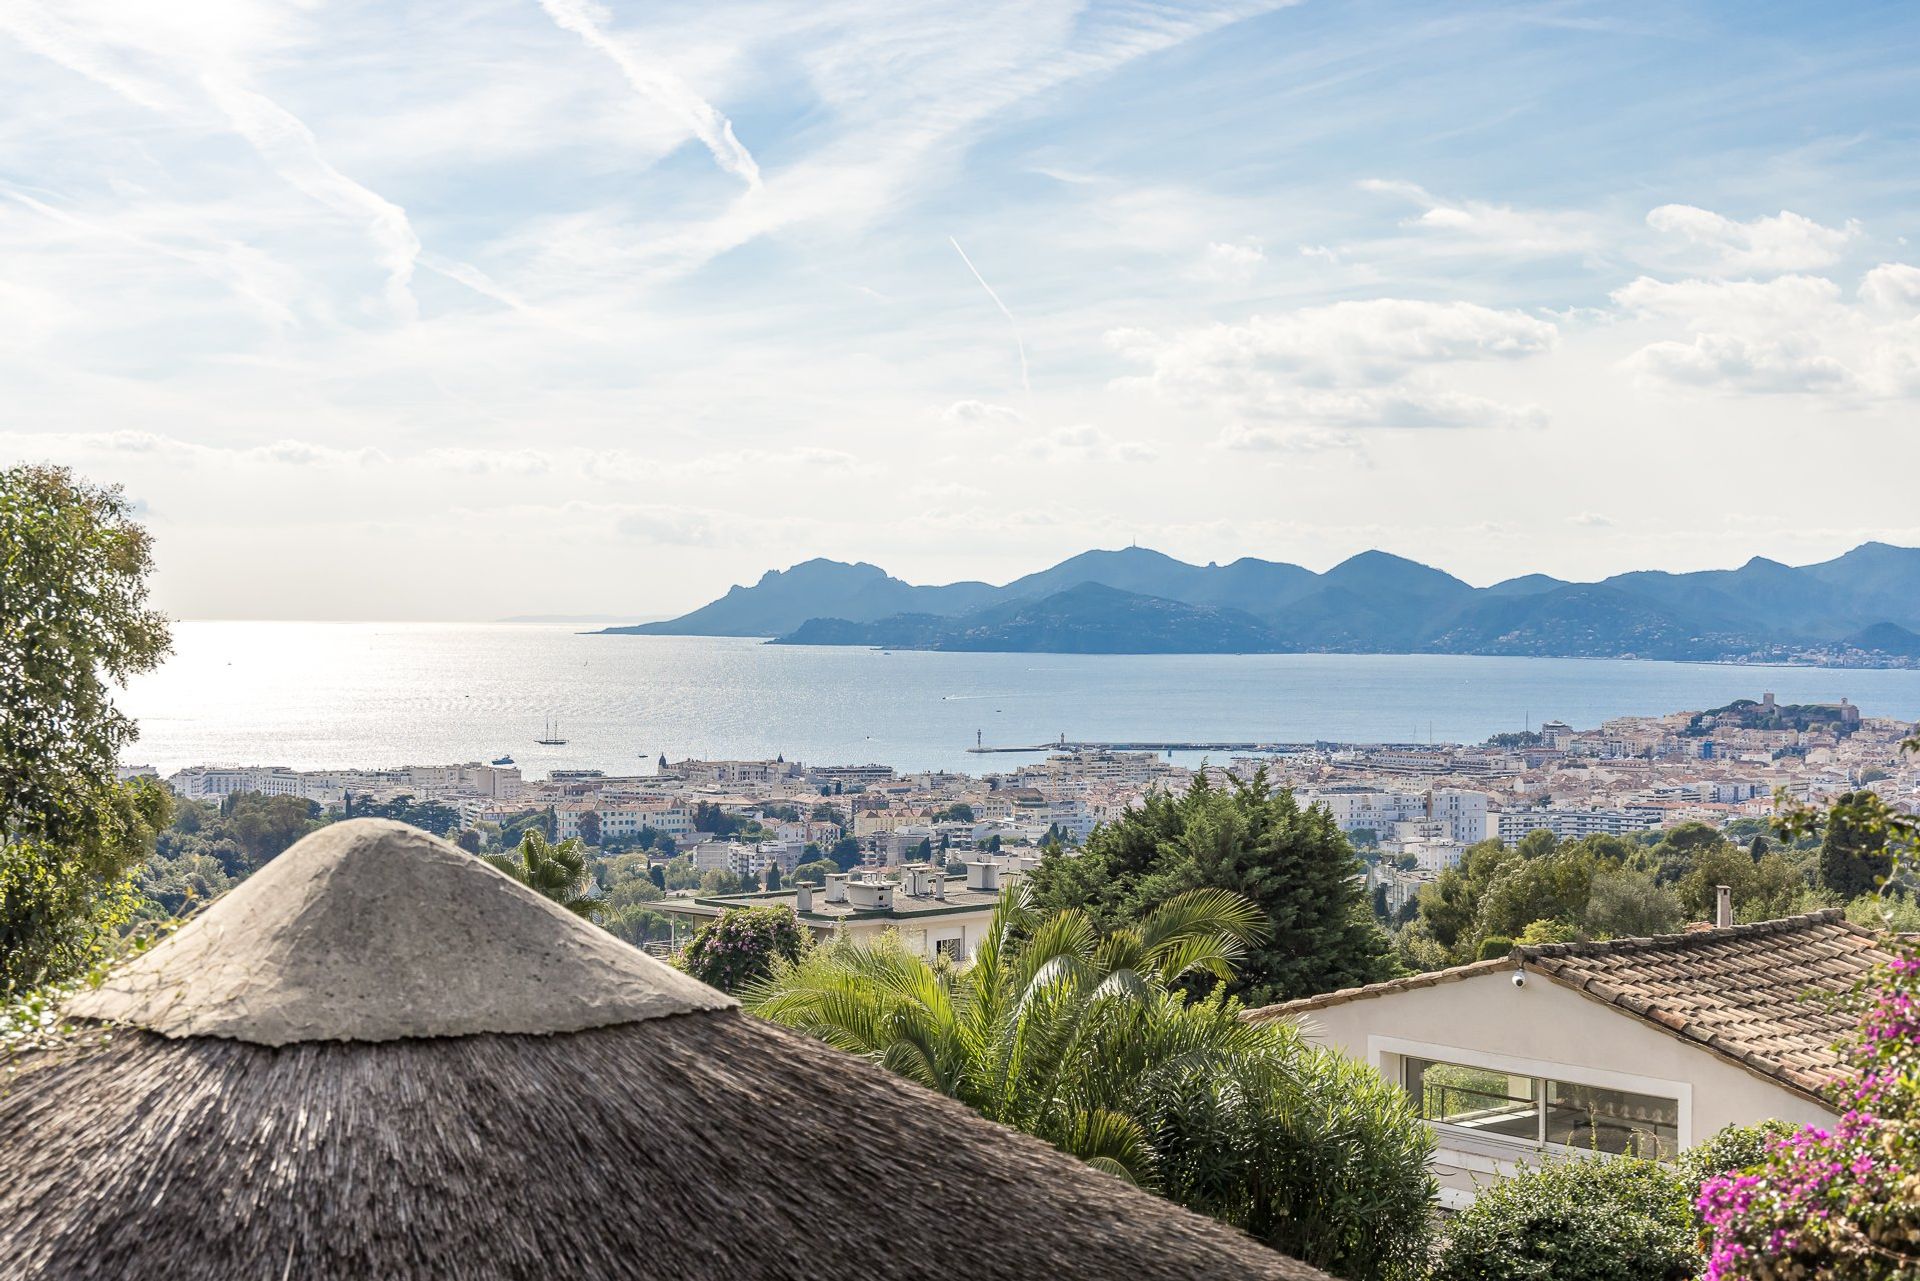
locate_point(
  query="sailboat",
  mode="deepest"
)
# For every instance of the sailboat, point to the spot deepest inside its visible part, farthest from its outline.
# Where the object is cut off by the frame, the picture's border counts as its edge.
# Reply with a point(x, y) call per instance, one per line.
point(552, 736)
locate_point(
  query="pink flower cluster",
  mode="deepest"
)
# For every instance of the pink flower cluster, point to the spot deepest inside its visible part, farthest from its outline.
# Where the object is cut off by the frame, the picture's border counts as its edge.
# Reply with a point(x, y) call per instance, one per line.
point(1836, 1202)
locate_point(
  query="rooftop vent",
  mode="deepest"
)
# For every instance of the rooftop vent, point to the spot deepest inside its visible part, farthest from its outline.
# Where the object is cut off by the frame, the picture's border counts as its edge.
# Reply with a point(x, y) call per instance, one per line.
point(836, 887)
point(983, 874)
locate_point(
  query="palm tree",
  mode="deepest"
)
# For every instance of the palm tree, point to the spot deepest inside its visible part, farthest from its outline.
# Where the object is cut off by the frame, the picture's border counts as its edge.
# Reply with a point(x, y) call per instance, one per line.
point(1051, 1028)
point(1096, 1044)
point(557, 871)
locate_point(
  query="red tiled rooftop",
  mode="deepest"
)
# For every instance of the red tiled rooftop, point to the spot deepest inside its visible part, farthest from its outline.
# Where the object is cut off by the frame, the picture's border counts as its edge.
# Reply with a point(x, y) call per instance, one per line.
point(1768, 996)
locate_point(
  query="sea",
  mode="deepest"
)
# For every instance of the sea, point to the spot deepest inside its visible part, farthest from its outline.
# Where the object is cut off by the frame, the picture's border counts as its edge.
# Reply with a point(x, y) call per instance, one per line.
point(328, 695)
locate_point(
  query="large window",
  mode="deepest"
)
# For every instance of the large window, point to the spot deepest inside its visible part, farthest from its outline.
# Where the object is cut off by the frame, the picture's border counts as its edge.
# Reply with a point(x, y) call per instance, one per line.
point(1542, 1110)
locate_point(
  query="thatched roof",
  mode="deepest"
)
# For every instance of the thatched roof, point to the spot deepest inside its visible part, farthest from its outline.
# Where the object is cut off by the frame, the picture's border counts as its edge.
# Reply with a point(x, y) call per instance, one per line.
point(371, 930)
point(333, 1116)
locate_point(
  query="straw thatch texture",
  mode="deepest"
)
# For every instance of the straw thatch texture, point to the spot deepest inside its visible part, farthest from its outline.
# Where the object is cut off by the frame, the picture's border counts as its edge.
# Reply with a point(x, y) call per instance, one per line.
point(706, 1145)
point(369, 930)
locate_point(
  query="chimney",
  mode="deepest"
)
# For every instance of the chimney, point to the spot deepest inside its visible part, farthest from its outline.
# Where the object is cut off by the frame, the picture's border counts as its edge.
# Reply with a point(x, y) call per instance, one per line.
point(940, 885)
point(803, 898)
point(837, 887)
point(1722, 906)
point(983, 874)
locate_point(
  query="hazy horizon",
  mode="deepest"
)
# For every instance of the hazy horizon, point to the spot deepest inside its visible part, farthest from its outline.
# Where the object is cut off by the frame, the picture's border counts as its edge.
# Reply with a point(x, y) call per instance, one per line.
point(435, 311)
point(587, 616)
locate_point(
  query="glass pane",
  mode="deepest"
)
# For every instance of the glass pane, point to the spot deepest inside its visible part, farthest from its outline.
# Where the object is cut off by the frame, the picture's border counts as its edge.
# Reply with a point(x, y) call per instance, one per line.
point(1475, 1098)
point(1602, 1120)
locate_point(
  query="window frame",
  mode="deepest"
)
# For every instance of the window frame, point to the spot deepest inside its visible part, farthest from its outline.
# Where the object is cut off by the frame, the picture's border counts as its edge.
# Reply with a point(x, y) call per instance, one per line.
point(1400, 1049)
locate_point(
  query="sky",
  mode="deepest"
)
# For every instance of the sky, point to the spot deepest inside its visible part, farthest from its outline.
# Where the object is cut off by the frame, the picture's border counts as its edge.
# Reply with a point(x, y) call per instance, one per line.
point(399, 310)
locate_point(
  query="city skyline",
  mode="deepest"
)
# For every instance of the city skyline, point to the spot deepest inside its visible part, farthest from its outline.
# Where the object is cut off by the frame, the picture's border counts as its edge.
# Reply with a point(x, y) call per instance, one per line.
point(468, 311)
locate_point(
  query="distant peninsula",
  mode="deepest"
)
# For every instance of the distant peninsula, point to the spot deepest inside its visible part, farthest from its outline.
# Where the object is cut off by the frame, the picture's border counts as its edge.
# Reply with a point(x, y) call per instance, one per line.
point(1861, 609)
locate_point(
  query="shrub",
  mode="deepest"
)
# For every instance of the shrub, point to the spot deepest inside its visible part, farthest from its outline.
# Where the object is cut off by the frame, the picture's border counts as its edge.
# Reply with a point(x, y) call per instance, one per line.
point(739, 948)
point(1310, 1152)
point(1581, 1219)
point(1493, 947)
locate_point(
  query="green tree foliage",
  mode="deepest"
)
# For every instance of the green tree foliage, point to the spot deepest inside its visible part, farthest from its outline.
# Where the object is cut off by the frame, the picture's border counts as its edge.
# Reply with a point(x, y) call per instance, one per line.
point(958, 812)
point(679, 873)
point(1090, 1041)
point(743, 946)
point(1853, 855)
point(719, 880)
point(1626, 903)
point(428, 816)
point(264, 826)
point(1293, 864)
point(708, 817)
point(1600, 887)
point(635, 924)
point(1553, 887)
point(846, 853)
point(73, 621)
point(557, 871)
point(772, 881)
point(815, 872)
point(1762, 890)
point(590, 827)
point(658, 875)
point(172, 887)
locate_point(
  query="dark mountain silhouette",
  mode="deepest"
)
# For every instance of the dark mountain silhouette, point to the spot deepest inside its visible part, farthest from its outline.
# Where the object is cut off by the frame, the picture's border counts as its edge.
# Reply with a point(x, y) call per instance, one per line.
point(1860, 607)
point(1090, 618)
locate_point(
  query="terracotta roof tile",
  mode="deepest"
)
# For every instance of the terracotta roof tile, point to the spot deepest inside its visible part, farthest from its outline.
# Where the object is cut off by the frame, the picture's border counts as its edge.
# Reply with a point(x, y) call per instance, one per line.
point(1764, 996)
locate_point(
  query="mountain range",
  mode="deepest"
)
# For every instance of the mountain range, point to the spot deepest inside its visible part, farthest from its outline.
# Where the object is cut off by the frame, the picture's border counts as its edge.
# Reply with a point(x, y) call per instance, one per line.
point(1859, 609)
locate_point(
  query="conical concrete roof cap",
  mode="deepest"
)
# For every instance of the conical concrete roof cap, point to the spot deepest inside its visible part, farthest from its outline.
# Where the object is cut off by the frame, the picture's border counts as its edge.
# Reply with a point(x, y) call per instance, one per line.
point(370, 930)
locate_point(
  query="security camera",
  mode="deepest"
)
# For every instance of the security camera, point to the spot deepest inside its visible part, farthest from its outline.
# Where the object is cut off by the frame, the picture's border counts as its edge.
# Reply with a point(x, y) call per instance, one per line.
point(1519, 978)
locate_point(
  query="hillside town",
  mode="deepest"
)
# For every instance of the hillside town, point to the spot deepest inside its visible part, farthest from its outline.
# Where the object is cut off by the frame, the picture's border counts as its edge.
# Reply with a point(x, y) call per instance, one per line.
point(1411, 809)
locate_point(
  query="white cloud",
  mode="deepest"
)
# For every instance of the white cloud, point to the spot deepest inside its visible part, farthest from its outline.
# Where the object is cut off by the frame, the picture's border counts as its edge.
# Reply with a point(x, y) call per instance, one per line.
point(1792, 334)
point(980, 412)
point(1497, 227)
point(661, 86)
point(1590, 520)
point(1346, 365)
point(1088, 444)
point(666, 525)
point(1234, 264)
point(1303, 441)
point(1762, 246)
point(1892, 286)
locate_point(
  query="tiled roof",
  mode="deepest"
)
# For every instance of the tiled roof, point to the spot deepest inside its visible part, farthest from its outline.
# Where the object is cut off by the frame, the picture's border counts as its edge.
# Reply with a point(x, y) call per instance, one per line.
point(1761, 995)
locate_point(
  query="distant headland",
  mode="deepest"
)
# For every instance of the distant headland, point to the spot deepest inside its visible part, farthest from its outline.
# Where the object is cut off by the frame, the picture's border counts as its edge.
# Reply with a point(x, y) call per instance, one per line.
point(1861, 609)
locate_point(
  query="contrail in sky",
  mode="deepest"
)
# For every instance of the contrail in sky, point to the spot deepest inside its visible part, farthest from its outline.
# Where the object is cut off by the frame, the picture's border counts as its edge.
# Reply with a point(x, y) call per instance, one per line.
point(666, 90)
point(1011, 322)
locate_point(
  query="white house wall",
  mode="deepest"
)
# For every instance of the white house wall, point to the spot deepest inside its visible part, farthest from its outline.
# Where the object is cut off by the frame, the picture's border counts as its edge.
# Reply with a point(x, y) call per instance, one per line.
point(1549, 1030)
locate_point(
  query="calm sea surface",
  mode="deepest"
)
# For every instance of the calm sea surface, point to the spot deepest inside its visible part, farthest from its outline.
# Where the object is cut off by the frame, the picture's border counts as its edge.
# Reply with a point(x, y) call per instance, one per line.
point(313, 695)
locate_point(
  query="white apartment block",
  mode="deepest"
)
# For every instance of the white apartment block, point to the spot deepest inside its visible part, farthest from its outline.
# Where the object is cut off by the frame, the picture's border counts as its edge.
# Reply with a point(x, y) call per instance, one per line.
point(1461, 814)
point(1572, 824)
point(737, 773)
point(625, 820)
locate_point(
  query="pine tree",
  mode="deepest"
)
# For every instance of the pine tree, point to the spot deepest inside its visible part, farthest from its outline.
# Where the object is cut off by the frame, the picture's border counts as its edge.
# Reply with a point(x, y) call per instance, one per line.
point(1294, 864)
